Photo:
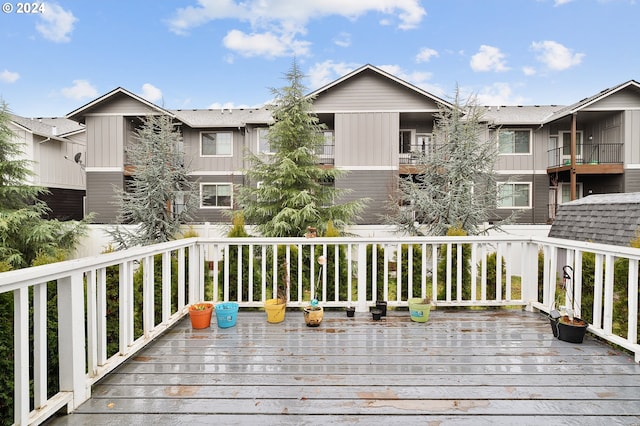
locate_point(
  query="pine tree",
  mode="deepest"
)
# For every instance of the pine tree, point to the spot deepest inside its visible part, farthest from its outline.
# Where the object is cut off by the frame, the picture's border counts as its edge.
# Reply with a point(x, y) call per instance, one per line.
point(289, 191)
point(160, 197)
point(456, 186)
point(24, 231)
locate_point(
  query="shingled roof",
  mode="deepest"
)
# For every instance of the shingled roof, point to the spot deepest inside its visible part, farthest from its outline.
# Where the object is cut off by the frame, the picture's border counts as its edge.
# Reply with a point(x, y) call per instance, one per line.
point(602, 218)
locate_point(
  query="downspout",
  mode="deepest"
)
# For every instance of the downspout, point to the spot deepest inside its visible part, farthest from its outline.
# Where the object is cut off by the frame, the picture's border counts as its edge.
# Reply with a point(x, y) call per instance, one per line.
point(572, 172)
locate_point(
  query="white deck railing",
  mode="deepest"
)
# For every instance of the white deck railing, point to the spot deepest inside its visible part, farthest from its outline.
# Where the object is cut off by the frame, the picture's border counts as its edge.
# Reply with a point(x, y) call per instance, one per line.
point(502, 271)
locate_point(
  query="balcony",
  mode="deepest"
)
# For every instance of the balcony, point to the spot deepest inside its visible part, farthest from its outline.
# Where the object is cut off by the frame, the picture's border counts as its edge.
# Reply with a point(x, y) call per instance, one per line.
point(481, 364)
point(600, 158)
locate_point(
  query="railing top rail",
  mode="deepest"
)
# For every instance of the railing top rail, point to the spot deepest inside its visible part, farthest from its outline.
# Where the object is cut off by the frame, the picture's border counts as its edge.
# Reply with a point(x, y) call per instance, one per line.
point(365, 240)
point(14, 279)
point(630, 252)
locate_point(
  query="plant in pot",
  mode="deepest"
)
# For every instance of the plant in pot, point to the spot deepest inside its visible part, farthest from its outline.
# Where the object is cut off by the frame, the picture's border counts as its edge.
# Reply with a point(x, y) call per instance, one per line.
point(277, 307)
point(314, 313)
point(200, 314)
point(564, 325)
point(419, 308)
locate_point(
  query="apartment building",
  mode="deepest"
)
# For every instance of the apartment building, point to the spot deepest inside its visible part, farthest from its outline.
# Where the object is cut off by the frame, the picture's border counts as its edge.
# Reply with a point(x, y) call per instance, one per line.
point(375, 124)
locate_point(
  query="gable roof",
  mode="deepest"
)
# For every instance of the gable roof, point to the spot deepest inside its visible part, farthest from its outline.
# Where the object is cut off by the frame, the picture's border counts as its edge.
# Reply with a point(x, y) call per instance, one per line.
point(79, 113)
point(369, 67)
point(200, 118)
point(602, 218)
point(586, 102)
point(518, 115)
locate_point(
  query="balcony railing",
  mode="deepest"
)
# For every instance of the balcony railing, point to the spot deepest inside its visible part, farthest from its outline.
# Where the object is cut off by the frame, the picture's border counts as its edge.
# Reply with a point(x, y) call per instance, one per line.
point(110, 306)
point(326, 154)
point(590, 154)
point(413, 154)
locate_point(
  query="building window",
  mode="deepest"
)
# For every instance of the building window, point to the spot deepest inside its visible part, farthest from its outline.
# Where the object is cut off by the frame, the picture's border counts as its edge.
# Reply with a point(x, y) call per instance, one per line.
point(405, 141)
point(264, 146)
point(512, 141)
point(216, 144)
point(216, 195)
point(514, 195)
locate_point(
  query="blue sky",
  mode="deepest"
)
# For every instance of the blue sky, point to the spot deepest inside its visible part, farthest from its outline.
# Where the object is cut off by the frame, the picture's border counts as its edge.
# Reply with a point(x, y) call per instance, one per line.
point(186, 54)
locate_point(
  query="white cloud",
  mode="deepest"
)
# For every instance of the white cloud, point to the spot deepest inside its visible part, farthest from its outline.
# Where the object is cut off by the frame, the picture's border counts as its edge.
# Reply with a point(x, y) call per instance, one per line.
point(264, 44)
point(528, 71)
point(561, 2)
point(151, 93)
point(56, 23)
point(343, 40)
point(81, 89)
point(230, 105)
point(275, 25)
point(325, 72)
point(488, 58)
point(426, 54)
point(260, 12)
point(499, 94)
point(556, 56)
point(7, 76)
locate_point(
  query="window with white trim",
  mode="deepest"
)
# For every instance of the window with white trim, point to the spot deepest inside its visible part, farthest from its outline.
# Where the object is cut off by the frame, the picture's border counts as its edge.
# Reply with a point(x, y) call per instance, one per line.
point(514, 195)
point(216, 144)
point(216, 195)
point(264, 146)
point(514, 141)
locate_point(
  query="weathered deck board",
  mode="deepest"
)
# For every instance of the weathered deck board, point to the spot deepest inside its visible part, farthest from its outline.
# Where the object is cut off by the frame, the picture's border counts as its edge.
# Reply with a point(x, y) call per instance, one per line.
point(462, 368)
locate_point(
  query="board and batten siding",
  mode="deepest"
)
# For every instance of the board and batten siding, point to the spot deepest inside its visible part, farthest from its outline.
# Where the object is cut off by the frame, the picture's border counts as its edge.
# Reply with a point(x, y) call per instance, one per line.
point(370, 91)
point(54, 170)
point(105, 141)
point(366, 139)
point(101, 195)
point(538, 213)
point(631, 126)
point(376, 185)
point(191, 138)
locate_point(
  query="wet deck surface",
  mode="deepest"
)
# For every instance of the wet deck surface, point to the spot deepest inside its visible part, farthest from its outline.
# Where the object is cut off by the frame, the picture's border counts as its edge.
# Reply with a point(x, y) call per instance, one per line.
point(460, 368)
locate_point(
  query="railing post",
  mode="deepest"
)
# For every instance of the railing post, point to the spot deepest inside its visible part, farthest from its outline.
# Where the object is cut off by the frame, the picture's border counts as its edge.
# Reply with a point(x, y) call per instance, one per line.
point(21, 354)
point(361, 305)
point(530, 275)
point(71, 338)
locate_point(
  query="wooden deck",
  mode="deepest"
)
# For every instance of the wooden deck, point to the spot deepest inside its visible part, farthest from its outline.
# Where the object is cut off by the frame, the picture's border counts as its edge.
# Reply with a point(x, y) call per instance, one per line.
point(461, 368)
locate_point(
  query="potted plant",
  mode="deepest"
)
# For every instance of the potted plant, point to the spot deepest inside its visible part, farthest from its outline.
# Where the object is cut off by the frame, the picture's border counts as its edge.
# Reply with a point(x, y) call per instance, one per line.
point(200, 314)
point(419, 309)
point(314, 313)
point(277, 307)
point(565, 326)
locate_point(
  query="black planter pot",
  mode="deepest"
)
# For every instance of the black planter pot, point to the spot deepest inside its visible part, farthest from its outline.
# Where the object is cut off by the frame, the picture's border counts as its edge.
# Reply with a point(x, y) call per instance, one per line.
point(553, 320)
point(376, 314)
point(350, 311)
point(382, 305)
point(572, 333)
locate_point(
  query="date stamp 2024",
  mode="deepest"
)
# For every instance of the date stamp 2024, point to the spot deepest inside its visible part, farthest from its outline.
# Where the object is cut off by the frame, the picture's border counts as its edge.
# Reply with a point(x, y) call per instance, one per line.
point(23, 8)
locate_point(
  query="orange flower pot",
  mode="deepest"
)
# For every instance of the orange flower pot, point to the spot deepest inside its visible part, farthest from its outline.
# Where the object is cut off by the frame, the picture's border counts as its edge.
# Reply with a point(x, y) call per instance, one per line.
point(200, 314)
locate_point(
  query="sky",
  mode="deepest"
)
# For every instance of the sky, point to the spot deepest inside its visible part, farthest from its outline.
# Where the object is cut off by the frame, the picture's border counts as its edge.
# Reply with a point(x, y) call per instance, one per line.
point(198, 54)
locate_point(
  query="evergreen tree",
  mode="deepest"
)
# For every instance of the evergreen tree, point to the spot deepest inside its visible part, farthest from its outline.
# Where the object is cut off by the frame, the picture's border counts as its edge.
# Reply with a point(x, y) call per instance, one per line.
point(456, 183)
point(289, 191)
point(160, 197)
point(24, 231)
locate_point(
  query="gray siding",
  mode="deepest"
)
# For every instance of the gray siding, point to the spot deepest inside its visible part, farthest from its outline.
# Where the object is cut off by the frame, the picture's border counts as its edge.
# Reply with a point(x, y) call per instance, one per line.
point(105, 141)
point(631, 180)
point(620, 100)
point(101, 195)
point(216, 215)
point(370, 91)
point(366, 139)
point(198, 163)
point(631, 127)
point(122, 104)
point(376, 185)
point(539, 213)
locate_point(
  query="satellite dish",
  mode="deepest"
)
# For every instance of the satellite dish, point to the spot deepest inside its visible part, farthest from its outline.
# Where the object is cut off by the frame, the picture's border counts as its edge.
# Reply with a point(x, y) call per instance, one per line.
point(77, 159)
